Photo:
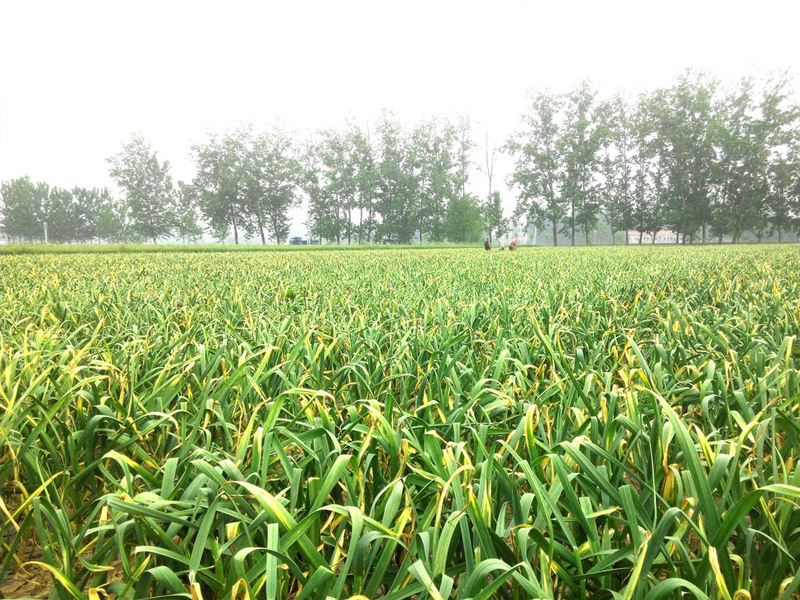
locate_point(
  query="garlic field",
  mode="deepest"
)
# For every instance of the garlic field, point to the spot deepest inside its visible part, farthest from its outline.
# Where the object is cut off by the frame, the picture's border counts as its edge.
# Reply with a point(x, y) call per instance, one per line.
point(617, 423)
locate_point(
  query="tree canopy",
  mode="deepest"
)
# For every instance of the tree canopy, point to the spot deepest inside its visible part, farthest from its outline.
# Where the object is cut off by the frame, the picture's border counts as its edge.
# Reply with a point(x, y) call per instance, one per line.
point(702, 159)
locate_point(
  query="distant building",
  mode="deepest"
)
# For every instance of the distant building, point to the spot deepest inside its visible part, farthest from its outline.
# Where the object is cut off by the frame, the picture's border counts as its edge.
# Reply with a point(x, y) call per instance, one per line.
point(665, 236)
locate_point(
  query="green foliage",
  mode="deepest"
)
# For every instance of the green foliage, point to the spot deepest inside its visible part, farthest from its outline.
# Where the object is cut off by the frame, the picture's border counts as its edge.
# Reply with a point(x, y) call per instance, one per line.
point(619, 165)
point(246, 182)
point(445, 423)
point(201, 472)
point(396, 185)
point(584, 134)
point(272, 175)
point(464, 220)
point(128, 248)
point(188, 229)
point(694, 157)
point(493, 218)
point(394, 189)
point(35, 212)
point(538, 170)
point(685, 157)
point(333, 184)
point(113, 222)
point(781, 115)
point(219, 184)
point(435, 152)
point(147, 186)
point(685, 125)
point(20, 214)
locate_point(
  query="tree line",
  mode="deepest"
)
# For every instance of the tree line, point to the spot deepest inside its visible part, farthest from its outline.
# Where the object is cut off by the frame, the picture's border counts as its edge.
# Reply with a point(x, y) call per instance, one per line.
point(694, 157)
point(393, 184)
point(703, 160)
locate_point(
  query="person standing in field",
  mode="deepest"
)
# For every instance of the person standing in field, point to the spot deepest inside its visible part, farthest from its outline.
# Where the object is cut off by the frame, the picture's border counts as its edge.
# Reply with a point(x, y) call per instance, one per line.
point(487, 245)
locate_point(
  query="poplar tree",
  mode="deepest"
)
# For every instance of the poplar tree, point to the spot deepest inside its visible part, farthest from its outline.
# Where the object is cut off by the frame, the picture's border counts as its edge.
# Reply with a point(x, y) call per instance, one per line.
point(220, 181)
point(580, 145)
point(538, 169)
point(147, 188)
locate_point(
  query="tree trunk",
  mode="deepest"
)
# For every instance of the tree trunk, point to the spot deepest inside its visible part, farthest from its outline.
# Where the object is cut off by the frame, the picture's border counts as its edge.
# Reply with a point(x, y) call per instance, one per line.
point(360, 222)
point(703, 240)
point(261, 231)
point(641, 235)
point(719, 239)
point(572, 223)
point(780, 236)
point(626, 236)
point(613, 239)
point(555, 233)
point(235, 232)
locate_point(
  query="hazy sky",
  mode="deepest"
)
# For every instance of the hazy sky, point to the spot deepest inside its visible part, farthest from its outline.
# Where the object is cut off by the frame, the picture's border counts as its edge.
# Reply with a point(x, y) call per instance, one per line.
point(77, 77)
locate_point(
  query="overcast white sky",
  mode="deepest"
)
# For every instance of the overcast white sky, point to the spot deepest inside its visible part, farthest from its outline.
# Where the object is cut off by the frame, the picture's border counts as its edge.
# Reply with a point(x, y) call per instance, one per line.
point(76, 77)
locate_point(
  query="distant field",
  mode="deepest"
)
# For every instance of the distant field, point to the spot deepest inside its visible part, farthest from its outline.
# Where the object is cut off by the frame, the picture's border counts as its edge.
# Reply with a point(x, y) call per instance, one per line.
point(13, 249)
point(136, 248)
point(450, 423)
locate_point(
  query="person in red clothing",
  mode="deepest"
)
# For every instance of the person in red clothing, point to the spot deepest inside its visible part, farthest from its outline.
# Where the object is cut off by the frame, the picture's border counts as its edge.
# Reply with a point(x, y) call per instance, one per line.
point(513, 244)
